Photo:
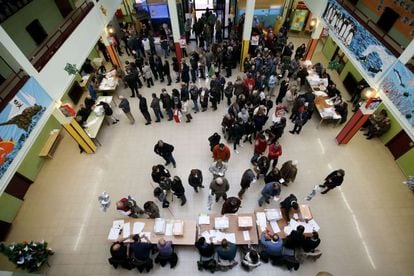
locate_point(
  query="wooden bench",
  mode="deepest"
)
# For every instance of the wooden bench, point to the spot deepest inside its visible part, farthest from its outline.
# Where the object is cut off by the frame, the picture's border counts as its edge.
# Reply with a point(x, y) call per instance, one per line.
point(51, 144)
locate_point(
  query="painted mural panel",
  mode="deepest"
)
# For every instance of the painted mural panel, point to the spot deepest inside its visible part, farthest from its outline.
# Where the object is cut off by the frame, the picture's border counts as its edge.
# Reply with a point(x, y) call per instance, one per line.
point(398, 85)
point(373, 57)
point(18, 119)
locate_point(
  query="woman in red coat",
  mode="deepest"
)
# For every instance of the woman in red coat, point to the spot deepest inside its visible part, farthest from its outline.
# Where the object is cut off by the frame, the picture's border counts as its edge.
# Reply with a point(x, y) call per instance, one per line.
point(275, 150)
point(259, 147)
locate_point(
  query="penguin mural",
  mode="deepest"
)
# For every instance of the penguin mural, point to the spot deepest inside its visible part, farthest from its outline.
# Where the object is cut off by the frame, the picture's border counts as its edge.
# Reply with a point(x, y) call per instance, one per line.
point(343, 28)
point(349, 37)
point(339, 24)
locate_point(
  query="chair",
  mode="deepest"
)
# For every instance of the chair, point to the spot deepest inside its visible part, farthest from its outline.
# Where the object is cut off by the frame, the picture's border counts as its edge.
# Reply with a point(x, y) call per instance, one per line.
point(123, 263)
point(163, 260)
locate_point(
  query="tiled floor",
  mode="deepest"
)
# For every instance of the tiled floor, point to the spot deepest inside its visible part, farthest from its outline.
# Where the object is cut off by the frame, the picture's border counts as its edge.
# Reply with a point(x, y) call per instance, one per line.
point(366, 225)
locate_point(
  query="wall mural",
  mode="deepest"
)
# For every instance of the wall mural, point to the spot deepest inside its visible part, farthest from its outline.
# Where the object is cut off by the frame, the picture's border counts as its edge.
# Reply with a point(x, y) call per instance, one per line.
point(398, 85)
point(365, 48)
point(18, 119)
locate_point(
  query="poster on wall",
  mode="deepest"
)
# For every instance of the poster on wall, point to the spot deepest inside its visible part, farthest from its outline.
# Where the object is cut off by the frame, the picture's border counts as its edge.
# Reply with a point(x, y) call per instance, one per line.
point(398, 85)
point(298, 20)
point(373, 57)
point(18, 119)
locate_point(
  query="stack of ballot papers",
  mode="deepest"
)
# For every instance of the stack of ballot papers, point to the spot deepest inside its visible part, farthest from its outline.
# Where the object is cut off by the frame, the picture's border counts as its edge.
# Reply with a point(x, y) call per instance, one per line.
point(169, 228)
point(310, 226)
point(159, 226)
point(273, 214)
point(245, 221)
point(178, 228)
point(261, 220)
point(115, 230)
point(127, 230)
point(138, 227)
point(203, 219)
point(217, 236)
point(221, 222)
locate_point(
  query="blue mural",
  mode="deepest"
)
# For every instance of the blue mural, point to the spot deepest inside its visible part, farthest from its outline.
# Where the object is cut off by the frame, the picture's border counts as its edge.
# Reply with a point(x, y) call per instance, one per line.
point(398, 85)
point(18, 119)
point(364, 47)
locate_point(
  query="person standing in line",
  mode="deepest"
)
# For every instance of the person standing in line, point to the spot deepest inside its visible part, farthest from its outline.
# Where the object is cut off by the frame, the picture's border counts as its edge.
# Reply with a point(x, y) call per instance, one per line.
point(151, 209)
point(132, 84)
point(178, 189)
point(237, 133)
point(288, 171)
point(124, 105)
point(165, 151)
point(287, 205)
point(195, 179)
point(284, 85)
point(167, 72)
point(214, 140)
point(221, 152)
point(143, 107)
point(194, 94)
point(159, 171)
point(155, 105)
point(333, 180)
point(270, 190)
point(259, 147)
point(148, 75)
point(275, 151)
point(166, 103)
point(231, 205)
point(248, 178)
point(219, 187)
point(187, 110)
point(218, 169)
point(102, 49)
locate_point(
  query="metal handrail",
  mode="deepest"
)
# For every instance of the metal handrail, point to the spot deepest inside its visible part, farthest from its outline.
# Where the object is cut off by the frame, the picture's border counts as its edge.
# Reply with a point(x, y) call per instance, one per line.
point(371, 26)
point(48, 48)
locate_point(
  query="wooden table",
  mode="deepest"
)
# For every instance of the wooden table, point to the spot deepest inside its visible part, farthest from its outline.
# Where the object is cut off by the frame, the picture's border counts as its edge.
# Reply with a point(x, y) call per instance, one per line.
point(188, 238)
point(233, 228)
point(94, 122)
point(283, 222)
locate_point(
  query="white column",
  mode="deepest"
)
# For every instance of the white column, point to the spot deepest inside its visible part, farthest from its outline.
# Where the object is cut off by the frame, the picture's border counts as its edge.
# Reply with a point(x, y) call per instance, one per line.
point(175, 25)
point(316, 34)
point(408, 53)
point(248, 19)
point(13, 51)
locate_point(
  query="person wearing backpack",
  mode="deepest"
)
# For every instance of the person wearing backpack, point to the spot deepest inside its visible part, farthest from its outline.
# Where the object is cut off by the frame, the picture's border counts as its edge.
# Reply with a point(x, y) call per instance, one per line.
point(108, 112)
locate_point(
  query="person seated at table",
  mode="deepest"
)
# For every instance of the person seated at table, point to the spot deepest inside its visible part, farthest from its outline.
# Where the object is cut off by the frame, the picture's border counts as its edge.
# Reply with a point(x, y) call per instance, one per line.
point(377, 124)
point(87, 67)
point(159, 171)
point(141, 253)
point(89, 102)
point(288, 204)
point(108, 112)
point(151, 209)
point(311, 243)
point(207, 252)
point(231, 205)
point(295, 239)
point(84, 113)
point(342, 109)
point(120, 255)
point(332, 91)
point(250, 258)
point(101, 70)
point(128, 207)
point(226, 254)
point(166, 253)
point(318, 67)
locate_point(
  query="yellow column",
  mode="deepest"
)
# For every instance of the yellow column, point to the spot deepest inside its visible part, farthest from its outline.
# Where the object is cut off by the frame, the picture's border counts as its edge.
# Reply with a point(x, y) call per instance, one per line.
point(247, 30)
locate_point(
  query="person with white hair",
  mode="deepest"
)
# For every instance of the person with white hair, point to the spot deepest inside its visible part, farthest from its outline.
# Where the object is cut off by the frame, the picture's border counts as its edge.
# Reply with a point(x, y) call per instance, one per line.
point(219, 187)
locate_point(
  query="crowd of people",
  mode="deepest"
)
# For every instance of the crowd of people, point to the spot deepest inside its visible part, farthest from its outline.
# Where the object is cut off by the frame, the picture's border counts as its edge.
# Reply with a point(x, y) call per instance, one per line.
point(272, 63)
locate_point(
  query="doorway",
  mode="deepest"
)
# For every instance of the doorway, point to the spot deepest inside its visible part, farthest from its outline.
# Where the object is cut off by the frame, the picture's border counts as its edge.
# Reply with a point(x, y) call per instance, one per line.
point(387, 19)
point(400, 144)
point(64, 7)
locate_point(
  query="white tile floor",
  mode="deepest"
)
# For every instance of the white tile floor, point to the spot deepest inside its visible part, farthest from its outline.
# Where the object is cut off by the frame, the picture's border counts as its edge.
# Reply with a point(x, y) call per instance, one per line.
point(366, 225)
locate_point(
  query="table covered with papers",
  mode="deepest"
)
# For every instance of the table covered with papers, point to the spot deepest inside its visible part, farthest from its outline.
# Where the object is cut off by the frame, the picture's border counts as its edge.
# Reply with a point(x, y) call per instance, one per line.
point(236, 228)
point(272, 219)
point(109, 82)
point(180, 232)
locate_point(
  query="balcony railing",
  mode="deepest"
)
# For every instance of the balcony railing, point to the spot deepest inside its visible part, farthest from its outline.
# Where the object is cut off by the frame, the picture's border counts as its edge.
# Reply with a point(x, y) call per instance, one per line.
point(11, 86)
point(372, 27)
point(48, 48)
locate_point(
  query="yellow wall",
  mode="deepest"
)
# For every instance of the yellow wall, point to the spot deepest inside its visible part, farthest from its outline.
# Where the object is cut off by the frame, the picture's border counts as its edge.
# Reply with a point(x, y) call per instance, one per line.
point(261, 4)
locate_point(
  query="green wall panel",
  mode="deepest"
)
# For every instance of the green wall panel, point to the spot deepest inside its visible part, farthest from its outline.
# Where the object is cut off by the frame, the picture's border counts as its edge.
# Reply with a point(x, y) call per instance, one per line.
point(329, 48)
point(395, 126)
point(406, 163)
point(349, 68)
point(45, 11)
point(32, 163)
point(399, 37)
point(9, 206)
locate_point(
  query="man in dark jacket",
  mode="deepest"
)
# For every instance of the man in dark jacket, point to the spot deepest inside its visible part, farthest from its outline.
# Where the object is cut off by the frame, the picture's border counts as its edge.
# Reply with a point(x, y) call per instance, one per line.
point(334, 179)
point(248, 178)
point(166, 103)
point(143, 107)
point(289, 203)
point(178, 189)
point(165, 151)
point(231, 205)
point(159, 171)
point(214, 140)
point(195, 179)
point(124, 105)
